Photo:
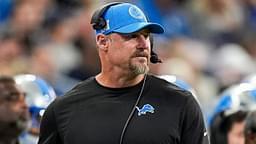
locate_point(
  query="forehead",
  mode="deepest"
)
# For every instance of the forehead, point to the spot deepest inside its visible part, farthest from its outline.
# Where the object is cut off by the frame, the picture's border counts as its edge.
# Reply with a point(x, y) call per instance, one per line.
point(143, 32)
point(9, 90)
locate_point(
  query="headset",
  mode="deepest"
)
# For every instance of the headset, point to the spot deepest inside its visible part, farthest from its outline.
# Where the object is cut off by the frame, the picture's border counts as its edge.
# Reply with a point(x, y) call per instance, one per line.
point(98, 23)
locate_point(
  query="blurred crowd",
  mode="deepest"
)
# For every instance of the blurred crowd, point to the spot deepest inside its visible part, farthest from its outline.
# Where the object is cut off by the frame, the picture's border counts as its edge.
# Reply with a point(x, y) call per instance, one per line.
point(208, 43)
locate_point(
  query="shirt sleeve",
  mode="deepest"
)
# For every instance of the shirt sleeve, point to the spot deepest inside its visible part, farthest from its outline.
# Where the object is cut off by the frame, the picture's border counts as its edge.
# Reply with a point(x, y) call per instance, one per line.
point(48, 128)
point(193, 130)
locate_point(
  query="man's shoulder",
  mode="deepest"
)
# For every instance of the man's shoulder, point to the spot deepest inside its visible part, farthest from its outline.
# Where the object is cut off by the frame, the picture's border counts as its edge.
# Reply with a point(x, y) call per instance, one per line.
point(172, 90)
point(161, 83)
point(77, 92)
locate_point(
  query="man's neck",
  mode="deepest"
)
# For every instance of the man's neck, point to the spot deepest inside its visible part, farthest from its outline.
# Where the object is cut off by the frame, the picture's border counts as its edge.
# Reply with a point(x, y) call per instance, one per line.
point(118, 81)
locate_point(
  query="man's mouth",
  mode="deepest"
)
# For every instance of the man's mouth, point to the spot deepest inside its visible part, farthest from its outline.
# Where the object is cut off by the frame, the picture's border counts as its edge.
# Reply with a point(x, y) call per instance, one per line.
point(145, 55)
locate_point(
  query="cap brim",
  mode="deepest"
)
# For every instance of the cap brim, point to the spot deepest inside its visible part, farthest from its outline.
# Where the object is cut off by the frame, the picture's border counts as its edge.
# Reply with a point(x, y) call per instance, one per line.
point(135, 27)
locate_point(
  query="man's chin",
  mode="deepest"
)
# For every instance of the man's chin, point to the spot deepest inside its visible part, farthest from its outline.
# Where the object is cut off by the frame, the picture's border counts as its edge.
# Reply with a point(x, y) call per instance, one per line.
point(139, 68)
point(24, 125)
point(14, 128)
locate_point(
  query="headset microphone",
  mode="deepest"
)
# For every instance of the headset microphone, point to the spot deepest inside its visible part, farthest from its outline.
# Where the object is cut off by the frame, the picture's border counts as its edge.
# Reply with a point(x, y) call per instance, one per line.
point(153, 56)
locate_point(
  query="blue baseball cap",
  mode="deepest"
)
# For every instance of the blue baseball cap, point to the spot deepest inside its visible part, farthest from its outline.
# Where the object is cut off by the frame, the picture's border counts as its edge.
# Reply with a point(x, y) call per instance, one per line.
point(127, 18)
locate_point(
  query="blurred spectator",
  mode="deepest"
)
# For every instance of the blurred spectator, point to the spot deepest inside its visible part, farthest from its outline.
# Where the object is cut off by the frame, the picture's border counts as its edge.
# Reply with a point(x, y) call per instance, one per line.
point(248, 41)
point(217, 21)
point(6, 7)
point(63, 30)
point(189, 59)
point(231, 64)
point(250, 122)
point(39, 94)
point(250, 128)
point(12, 56)
point(250, 13)
point(89, 64)
point(14, 115)
point(228, 119)
point(26, 18)
point(169, 13)
point(42, 65)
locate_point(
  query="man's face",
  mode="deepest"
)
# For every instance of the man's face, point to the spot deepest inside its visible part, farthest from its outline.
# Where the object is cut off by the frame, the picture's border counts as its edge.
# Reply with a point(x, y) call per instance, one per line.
point(14, 114)
point(131, 51)
point(236, 134)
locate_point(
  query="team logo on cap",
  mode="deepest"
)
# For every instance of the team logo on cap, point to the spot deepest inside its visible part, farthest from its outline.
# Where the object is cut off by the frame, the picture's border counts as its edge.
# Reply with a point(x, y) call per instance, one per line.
point(136, 13)
point(107, 25)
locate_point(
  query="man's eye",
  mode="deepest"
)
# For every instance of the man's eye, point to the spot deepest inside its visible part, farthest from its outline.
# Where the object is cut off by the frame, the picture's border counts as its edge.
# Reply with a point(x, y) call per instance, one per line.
point(146, 35)
point(12, 97)
point(130, 36)
point(135, 35)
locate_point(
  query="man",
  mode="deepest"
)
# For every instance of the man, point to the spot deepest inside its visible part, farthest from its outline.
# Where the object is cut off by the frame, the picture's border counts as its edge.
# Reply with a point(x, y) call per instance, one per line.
point(228, 129)
point(14, 116)
point(227, 123)
point(39, 94)
point(124, 104)
point(250, 128)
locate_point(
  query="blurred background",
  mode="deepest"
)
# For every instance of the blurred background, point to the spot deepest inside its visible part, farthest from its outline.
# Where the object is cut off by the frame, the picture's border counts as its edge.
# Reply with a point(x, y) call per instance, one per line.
point(210, 44)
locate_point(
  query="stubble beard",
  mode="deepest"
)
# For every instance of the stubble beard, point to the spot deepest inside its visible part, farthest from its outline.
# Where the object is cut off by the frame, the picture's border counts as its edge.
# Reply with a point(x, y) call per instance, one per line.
point(138, 69)
point(13, 128)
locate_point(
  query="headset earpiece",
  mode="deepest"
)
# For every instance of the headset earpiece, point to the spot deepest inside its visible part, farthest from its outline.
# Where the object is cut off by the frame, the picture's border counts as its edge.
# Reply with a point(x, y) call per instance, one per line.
point(100, 24)
point(97, 21)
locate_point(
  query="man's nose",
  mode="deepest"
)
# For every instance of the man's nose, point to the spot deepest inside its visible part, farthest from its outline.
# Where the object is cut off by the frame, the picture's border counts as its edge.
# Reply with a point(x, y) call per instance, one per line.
point(143, 42)
point(23, 104)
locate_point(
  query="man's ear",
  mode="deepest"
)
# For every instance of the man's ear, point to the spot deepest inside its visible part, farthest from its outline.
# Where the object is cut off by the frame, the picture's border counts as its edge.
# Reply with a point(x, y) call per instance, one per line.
point(102, 42)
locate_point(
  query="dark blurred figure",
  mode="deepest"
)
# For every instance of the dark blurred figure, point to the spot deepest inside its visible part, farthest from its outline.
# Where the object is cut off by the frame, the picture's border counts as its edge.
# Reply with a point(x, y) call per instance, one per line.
point(89, 64)
point(228, 120)
point(217, 21)
point(69, 4)
point(228, 129)
point(12, 54)
point(39, 94)
point(250, 128)
point(250, 14)
point(14, 115)
point(170, 14)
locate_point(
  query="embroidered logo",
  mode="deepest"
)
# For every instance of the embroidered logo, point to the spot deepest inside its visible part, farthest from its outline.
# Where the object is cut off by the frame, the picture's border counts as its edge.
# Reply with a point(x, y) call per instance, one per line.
point(107, 25)
point(136, 13)
point(146, 108)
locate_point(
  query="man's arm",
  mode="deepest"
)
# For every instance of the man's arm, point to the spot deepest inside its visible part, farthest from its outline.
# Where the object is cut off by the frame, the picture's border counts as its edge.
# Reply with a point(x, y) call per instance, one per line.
point(48, 128)
point(193, 124)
